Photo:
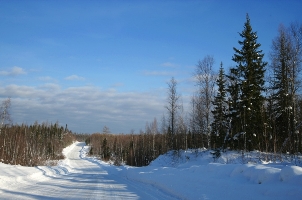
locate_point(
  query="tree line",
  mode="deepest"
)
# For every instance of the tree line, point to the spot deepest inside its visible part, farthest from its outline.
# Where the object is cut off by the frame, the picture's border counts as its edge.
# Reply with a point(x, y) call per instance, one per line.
point(138, 149)
point(31, 145)
point(256, 105)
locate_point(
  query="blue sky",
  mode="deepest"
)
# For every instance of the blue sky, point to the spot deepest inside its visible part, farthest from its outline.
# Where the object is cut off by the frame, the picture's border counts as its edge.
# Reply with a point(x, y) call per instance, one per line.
point(91, 64)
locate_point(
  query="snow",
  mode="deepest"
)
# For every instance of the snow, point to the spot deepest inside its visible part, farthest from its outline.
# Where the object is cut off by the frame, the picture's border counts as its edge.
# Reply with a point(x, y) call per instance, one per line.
point(191, 177)
point(182, 175)
point(73, 178)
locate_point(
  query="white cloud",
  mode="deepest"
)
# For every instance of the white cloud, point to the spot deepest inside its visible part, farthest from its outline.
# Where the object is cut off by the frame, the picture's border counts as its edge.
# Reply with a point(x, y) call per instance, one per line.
point(75, 78)
point(46, 78)
point(119, 84)
point(169, 64)
point(158, 73)
point(84, 109)
point(14, 71)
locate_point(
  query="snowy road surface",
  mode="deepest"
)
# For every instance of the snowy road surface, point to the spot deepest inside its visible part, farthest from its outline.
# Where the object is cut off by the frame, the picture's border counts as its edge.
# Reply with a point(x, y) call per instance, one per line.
point(75, 178)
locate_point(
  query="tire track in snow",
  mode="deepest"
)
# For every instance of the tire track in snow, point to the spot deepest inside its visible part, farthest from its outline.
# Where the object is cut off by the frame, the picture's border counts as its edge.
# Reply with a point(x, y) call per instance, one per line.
point(150, 191)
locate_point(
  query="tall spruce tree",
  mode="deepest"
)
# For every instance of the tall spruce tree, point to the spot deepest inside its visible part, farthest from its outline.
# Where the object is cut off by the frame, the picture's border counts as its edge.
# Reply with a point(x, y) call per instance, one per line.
point(251, 69)
point(220, 124)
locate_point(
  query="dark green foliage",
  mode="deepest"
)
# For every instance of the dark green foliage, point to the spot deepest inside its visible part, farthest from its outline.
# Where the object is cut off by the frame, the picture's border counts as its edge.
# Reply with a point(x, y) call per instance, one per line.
point(234, 103)
point(105, 150)
point(250, 71)
point(220, 123)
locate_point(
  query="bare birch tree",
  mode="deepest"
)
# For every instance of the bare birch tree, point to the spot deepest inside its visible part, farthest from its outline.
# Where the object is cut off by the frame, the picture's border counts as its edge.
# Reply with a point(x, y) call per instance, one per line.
point(205, 81)
point(154, 131)
point(5, 115)
point(172, 107)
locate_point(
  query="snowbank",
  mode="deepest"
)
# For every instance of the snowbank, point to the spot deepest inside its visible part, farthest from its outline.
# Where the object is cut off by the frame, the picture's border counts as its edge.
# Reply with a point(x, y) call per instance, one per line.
point(191, 175)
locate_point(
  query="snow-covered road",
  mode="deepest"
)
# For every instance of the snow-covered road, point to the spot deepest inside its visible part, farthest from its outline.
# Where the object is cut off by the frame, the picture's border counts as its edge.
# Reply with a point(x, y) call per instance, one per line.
point(74, 178)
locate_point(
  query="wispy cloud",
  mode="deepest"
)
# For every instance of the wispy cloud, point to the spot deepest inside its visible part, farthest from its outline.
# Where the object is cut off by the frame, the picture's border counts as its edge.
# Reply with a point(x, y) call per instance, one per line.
point(75, 78)
point(169, 64)
point(119, 84)
point(46, 78)
point(158, 73)
point(14, 71)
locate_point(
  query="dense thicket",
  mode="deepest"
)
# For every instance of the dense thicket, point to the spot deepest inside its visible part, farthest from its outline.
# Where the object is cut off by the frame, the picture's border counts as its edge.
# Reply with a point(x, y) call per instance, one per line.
point(33, 145)
point(81, 137)
point(137, 149)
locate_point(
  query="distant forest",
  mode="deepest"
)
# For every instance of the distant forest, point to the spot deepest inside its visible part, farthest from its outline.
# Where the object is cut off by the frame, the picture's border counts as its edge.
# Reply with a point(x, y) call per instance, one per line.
point(254, 105)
